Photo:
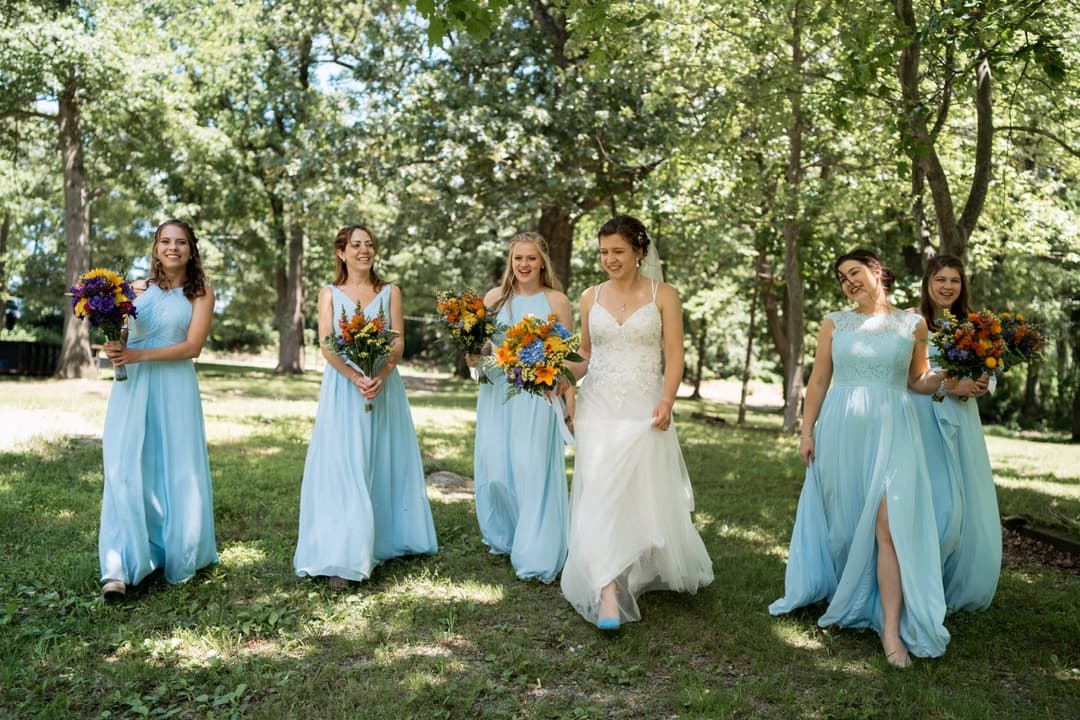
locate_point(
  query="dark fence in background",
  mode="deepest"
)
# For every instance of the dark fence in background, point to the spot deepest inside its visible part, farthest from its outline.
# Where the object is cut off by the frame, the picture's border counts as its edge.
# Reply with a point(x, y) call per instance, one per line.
point(22, 357)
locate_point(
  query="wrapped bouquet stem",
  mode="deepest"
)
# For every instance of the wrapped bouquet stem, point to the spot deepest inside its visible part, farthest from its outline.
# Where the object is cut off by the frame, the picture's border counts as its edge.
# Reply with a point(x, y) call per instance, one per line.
point(107, 301)
point(469, 323)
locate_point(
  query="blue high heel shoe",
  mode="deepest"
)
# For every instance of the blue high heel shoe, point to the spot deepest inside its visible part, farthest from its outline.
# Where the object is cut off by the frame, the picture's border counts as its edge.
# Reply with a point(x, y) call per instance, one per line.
point(608, 623)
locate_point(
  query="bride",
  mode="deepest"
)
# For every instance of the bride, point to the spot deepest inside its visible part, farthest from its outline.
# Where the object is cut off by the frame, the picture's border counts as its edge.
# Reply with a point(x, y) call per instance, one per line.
point(630, 526)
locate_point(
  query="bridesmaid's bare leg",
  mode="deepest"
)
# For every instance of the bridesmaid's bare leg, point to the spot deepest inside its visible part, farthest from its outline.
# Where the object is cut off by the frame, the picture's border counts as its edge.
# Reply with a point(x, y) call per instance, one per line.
point(892, 596)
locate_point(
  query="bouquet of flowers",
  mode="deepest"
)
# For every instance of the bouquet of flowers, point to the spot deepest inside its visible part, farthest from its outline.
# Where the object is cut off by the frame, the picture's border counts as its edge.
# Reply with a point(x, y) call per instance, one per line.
point(467, 320)
point(969, 347)
point(107, 300)
point(534, 355)
point(1023, 341)
point(363, 343)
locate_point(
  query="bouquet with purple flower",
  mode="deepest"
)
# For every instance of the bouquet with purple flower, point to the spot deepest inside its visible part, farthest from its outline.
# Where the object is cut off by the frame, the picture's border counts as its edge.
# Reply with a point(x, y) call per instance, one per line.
point(1023, 341)
point(107, 300)
point(534, 355)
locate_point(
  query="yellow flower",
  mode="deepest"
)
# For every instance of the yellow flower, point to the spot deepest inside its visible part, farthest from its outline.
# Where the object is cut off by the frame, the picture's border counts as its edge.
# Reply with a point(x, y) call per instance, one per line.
point(109, 275)
point(80, 308)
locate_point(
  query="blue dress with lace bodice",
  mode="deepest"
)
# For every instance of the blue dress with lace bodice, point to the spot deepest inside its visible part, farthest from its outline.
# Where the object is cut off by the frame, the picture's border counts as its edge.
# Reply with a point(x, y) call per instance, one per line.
point(867, 447)
point(157, 510)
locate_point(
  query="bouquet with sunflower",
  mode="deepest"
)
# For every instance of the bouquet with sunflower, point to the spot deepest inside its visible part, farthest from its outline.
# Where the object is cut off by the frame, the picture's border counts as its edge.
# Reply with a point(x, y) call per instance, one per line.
point(467, 320)
point(363, 342)
point(534, 355)
point(107, 300)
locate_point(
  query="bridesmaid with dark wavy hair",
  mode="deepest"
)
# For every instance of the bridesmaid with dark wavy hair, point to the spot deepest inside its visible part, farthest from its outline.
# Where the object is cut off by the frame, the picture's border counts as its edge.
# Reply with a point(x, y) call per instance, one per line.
point(157, 511)
point(864, 539)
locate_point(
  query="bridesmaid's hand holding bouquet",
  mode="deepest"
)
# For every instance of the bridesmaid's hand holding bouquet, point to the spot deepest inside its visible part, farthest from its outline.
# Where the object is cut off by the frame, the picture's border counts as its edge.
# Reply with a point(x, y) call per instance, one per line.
point(534, 355)
point(106, 299)
point(364, 342)
point(468, 321)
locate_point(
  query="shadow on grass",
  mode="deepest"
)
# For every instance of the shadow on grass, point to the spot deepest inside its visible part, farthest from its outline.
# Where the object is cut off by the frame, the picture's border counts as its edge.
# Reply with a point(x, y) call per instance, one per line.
point(456, 635)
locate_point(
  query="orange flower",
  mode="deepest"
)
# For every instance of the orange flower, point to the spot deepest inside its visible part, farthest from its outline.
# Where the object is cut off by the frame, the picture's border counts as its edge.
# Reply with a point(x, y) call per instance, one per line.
point(991, 362)
point(504, 355)
point(545, 374)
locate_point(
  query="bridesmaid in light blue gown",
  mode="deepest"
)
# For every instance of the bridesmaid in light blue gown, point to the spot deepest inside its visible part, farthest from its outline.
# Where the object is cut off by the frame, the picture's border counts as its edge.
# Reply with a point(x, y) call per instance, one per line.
point(157, 510)
point(965, 502)
point(363, 498)
point(519, 465)
point(865, 540)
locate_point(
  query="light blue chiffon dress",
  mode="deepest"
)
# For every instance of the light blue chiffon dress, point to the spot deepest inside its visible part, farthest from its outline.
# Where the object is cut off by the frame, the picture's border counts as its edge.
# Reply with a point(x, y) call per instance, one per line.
point(158, 509)
point(363, 499)
point(522, 496)
point(868, 447)
point(965, 502)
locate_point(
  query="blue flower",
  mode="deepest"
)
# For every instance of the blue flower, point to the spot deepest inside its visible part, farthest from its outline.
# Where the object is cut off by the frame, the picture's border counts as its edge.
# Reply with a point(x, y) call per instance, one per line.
point(561, 330)
point(532, 353)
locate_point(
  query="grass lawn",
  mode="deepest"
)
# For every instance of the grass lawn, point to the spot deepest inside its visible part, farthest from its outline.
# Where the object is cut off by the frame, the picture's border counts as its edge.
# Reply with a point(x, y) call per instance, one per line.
point(456, 635)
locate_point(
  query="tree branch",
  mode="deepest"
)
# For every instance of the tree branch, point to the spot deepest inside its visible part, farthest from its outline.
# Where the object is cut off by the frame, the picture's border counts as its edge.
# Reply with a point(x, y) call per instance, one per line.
point(1075, 152)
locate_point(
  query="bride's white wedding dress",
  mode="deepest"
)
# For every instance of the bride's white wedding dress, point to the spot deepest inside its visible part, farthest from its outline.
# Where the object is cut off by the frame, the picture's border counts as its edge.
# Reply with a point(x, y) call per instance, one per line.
point(631, 498)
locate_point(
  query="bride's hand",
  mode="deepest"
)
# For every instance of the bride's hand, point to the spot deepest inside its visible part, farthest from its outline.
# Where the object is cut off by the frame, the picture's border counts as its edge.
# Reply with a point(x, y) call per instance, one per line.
point(662, 415)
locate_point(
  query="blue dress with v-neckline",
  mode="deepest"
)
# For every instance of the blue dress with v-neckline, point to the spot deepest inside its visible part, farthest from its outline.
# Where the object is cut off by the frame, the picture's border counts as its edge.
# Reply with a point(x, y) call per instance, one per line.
point(363, 498)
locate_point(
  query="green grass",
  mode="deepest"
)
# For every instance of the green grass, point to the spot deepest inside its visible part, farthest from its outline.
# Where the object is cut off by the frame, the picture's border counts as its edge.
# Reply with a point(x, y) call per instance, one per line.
point(456, 635)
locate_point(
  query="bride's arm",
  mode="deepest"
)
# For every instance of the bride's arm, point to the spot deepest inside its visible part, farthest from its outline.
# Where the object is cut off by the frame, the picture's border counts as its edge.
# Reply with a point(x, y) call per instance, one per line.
point(581, 368)
point(667, 300)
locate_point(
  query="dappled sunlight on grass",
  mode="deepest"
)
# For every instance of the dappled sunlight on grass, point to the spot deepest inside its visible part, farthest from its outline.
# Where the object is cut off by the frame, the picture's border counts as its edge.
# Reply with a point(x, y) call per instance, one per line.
point(756, 536)
point(448, 590)
point(1048, 484)
point(797, 637)
point(1028, 458)
point(238, 554)
point(182, 649)
point(441, 419)
point(449, 647)
point(456, 635)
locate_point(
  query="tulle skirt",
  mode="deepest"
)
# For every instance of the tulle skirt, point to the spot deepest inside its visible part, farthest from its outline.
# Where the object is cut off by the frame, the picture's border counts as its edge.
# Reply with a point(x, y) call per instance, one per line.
point(630, 505)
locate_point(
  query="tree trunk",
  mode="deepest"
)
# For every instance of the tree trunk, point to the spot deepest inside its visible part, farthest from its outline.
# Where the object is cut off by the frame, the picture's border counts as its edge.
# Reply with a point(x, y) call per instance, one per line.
point(699, 366)
point(557, 227)
point(954, 233)
point(1075, 331)
point(793, 311)
point(1029, 408)
point(5, 232)
point(749, 352)
point(291, 304)
point(75, 360)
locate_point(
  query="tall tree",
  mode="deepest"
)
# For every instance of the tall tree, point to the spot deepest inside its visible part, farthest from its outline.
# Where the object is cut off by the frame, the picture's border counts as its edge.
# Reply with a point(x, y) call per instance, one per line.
point(66, 63)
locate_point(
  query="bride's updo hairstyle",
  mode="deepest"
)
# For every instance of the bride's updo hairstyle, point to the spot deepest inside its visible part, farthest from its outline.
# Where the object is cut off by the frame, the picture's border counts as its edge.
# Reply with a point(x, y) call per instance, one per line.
point(870, 260)
point(630, 228)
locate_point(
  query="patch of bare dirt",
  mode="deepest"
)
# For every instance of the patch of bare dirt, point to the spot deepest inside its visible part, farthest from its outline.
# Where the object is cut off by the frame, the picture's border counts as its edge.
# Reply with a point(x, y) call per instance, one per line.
point(1023, 552)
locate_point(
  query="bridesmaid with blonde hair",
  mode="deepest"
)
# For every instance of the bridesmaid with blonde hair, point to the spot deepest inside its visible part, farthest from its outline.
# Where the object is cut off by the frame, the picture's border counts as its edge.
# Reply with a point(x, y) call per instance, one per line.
point(519, 464)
